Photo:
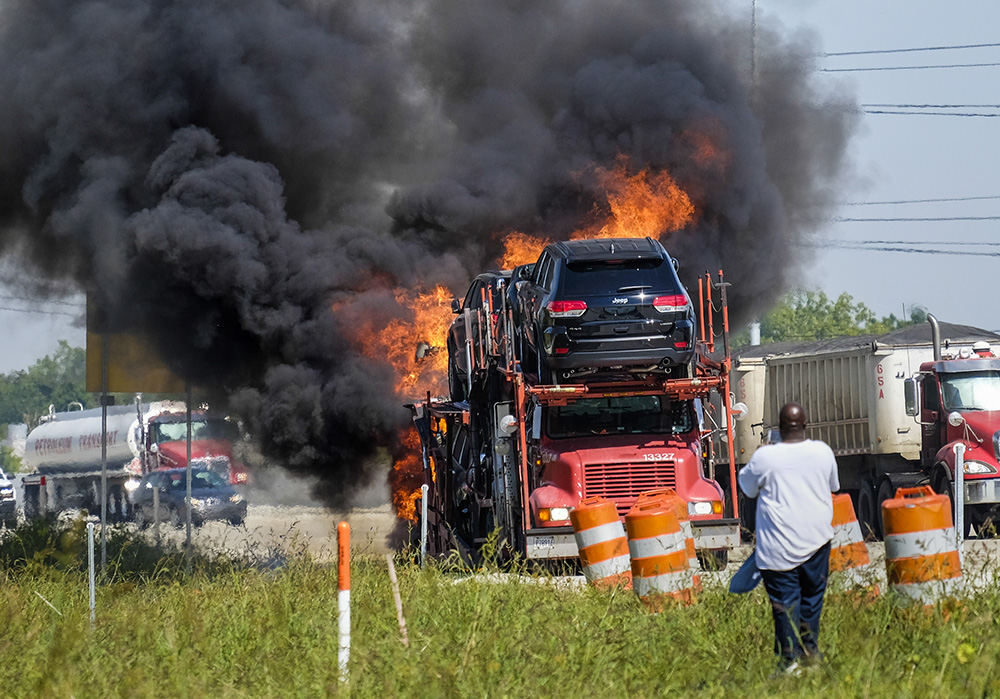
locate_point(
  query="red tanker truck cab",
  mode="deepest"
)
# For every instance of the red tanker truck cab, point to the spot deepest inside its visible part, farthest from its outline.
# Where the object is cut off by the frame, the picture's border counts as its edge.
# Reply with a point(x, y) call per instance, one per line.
point(960, 403)
point(212, 439)
point(618, 447)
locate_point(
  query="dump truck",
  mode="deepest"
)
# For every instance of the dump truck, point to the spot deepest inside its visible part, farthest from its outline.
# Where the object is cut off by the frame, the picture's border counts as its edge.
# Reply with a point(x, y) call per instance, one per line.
point(65, 454)
point(515, 456)
point(890, 406)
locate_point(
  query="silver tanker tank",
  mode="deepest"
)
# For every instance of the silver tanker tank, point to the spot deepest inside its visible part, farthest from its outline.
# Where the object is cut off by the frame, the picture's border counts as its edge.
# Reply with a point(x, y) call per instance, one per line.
point(71, 442)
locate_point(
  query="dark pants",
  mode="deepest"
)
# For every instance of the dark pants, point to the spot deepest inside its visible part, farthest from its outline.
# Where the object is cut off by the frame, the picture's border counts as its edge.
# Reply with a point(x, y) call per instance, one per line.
point(796, 603)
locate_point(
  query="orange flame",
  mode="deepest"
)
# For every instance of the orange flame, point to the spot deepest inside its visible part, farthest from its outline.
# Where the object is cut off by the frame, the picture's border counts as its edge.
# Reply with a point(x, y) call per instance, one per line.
point(407, 476)
point(520, 249)
point(648, 203)
point(416, 347)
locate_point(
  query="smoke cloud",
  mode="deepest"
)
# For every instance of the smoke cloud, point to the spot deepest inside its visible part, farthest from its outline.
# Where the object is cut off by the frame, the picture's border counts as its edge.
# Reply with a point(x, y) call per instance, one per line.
point(247, 183)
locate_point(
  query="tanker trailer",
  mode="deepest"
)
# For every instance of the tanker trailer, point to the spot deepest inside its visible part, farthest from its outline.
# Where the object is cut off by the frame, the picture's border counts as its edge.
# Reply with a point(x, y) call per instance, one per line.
point(64, 453)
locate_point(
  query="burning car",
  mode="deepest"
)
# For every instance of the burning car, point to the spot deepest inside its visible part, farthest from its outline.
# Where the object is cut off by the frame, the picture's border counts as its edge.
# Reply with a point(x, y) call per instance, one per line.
point(605, 305)
point(488, 288)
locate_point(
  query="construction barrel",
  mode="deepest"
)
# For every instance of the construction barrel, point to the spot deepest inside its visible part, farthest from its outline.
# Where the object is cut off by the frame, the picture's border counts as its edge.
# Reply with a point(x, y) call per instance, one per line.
point(849, 559)
point(921, 554)
point(600, 538)
point(660, 570)
point(680, 508)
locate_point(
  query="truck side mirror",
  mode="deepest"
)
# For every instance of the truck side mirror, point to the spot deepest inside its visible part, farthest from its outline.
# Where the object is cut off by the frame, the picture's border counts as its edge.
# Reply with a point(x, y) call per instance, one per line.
point(911, 396)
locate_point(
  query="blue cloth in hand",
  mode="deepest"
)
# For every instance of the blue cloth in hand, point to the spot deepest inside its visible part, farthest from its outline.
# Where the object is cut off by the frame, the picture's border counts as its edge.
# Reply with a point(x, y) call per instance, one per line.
point(747, 577)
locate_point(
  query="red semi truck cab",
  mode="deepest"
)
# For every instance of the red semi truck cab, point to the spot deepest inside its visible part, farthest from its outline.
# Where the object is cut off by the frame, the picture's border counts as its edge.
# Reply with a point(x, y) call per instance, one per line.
point(212, 439)
point(959, 401)
point(619, 447)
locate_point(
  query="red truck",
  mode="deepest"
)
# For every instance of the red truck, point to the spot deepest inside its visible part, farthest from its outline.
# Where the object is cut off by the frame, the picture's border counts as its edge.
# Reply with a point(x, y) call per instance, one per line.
point(517, 455)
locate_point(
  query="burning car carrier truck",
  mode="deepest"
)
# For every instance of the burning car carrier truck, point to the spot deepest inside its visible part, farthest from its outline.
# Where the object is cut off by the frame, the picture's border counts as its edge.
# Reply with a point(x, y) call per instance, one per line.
point(516, 455)
point(64, 453)
point(891, 407)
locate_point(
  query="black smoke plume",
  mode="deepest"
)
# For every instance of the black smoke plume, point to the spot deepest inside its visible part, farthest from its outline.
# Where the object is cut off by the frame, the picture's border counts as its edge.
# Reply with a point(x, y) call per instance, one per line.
point(245, 183)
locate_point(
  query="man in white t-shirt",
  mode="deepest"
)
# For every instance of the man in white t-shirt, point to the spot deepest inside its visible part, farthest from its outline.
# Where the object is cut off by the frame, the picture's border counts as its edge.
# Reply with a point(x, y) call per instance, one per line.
point(793, 482)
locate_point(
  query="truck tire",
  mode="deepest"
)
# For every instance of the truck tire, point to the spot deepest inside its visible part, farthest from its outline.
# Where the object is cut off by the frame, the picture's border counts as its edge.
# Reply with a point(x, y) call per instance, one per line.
point(886, 491)
point(713, 560)
point(869, 516)
point(941, 483)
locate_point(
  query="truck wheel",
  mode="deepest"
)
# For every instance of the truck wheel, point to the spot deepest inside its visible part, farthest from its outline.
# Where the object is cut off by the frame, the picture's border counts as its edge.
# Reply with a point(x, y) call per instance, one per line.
point(869, 517)
point(942, 484)
point(713, 560)
point(886, 491)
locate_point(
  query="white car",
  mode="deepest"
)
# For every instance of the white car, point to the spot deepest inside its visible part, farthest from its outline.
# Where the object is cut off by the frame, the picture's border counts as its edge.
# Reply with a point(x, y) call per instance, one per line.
point(8, 501)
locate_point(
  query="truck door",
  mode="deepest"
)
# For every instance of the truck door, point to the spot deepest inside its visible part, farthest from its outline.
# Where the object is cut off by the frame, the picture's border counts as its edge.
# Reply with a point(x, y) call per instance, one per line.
point(932, 424)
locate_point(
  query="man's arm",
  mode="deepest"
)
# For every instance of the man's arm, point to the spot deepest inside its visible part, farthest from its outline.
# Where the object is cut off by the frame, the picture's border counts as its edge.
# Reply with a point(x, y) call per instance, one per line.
point(834, 473)
point(749, 478)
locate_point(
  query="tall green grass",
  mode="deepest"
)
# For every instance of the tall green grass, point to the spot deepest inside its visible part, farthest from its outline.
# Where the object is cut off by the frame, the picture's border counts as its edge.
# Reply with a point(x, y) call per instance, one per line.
point(240, 629)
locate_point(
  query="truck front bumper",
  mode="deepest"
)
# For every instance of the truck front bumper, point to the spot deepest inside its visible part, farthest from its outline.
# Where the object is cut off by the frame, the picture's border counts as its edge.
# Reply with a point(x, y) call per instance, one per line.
point(559, 542)
point(985, 491)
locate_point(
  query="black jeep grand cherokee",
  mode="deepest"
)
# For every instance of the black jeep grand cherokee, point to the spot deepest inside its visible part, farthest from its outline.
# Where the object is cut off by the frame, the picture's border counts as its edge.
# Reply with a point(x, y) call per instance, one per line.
point(604, 305)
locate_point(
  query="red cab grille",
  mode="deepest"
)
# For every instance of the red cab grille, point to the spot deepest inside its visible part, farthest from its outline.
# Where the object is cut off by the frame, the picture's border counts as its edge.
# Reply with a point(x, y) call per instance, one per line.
point(622, 483)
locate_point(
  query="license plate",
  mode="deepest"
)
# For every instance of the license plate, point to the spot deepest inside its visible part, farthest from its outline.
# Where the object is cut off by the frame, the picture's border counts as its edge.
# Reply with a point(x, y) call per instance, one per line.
point(544, 540)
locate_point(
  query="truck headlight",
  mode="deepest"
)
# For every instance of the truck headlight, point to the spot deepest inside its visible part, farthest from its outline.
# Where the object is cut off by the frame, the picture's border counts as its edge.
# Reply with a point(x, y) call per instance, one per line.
point(978, 467)
point(235, 497)
point(705, 507)
point(553, 514)
point(131, 484)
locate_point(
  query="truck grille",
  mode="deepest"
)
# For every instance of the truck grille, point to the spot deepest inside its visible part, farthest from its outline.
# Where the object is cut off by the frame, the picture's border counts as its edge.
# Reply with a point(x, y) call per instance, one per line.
point(622, 483)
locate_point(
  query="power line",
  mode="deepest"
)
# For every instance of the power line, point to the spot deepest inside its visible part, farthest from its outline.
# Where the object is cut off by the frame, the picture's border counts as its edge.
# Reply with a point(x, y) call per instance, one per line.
point(920, 201)
point(935, 106)
point(954, 114)
point(918, 218)
point(913, 242)
point(910, 250)
point(930, 67)
point(40, 312)
point(910, 50)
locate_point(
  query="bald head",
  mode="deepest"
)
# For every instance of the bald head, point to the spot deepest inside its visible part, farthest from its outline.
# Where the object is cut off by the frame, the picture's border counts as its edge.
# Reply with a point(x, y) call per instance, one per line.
point(792, 422)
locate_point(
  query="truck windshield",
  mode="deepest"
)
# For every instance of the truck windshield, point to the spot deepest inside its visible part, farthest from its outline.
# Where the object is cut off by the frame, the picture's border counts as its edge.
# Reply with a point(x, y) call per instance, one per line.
point(619, 415)
point(975, 390)
point(200, 429)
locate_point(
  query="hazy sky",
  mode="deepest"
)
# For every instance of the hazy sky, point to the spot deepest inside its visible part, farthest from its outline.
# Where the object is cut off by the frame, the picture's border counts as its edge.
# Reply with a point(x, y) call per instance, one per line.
point(896, 157)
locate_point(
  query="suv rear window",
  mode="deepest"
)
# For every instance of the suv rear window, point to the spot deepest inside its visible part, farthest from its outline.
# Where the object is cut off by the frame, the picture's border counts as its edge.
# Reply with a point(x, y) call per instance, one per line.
point(606, 277)
point(619, 415)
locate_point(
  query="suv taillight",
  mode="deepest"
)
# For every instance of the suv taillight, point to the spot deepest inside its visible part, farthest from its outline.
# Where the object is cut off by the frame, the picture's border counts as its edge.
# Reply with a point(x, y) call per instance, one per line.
point(671, 303)
point(566, 309)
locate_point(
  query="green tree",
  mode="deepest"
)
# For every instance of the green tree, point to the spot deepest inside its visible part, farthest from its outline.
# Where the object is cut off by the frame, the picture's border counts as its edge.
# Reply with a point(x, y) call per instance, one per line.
point(57, 380)
point(812, 315)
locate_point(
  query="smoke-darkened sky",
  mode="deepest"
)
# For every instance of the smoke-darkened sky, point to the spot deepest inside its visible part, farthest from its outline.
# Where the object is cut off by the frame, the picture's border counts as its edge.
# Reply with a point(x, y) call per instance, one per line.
point(246, 183)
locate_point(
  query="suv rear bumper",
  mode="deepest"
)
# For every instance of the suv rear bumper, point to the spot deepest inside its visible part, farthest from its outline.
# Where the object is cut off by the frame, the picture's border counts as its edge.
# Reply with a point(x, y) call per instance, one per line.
point(603, 359)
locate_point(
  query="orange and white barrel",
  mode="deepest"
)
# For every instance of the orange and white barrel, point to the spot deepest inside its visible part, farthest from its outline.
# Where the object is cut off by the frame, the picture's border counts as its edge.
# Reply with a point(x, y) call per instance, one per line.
point(848, 553)
point(660, 569)
point(680, 508)
point(600, 538)
point(921, 554)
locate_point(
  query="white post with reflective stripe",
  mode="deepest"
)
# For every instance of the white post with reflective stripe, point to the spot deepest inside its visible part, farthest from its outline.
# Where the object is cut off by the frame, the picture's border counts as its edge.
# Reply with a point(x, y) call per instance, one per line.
point(959, 450)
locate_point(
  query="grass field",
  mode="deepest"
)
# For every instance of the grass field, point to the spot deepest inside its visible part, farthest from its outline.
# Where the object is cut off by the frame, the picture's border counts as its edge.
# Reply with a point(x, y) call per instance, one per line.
point(247, 629)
